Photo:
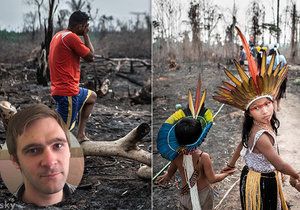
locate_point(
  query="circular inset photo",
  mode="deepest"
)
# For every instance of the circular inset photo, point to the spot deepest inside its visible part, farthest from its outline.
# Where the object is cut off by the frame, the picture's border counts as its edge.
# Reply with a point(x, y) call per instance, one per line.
point(48, 172)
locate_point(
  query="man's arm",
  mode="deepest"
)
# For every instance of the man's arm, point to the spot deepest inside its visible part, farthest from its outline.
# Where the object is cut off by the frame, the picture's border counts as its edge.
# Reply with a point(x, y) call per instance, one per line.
point(87, 42)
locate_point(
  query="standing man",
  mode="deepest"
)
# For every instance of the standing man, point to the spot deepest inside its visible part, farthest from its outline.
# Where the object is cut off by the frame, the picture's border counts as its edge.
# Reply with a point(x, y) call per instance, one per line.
point(66, 49)
point(38, 143)
point(242, 56)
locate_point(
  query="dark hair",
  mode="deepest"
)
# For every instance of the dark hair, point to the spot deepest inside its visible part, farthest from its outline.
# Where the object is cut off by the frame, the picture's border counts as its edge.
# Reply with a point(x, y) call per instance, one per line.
point(22, 119)
point(77, 18)
point(271, 52)
point(248, 123)
point(187, 131)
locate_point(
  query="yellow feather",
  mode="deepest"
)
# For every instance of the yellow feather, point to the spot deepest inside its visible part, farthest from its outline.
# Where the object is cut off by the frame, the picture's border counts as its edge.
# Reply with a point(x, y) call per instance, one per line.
point(201, 102)
point(263, 64)
point(232, 78)
point(228, 85)
point(277, 70)
point(198, 95)
point(241, 72)
point(271, 65)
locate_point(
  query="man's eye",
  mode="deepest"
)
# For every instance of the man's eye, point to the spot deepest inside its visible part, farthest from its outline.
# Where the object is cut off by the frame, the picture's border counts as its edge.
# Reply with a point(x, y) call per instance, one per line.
point(33, 151)
point(58, 146)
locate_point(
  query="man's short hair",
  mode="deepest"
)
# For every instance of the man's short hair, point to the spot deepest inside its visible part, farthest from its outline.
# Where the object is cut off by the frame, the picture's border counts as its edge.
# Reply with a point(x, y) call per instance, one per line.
point(22, 119)
point(77, 18)
point(272, 51)
point(187, 131)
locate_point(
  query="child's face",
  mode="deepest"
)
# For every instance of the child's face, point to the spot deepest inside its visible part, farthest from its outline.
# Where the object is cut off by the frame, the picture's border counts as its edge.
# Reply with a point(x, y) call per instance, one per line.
point(262, 110)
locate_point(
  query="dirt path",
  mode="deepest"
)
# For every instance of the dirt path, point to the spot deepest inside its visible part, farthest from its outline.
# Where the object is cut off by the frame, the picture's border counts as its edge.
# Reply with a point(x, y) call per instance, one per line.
point(289, 142)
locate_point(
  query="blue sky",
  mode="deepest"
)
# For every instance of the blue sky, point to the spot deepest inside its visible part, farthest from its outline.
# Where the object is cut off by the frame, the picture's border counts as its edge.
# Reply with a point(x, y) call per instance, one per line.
point(12, 11)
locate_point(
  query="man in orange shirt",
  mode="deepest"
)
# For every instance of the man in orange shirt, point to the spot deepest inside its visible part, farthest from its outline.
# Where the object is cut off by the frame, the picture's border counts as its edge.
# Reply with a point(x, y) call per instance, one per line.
point(66, 49)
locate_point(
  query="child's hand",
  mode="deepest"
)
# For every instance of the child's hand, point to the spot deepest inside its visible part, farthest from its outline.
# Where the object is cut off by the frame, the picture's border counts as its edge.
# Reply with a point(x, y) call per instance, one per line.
point(227, 168)
point(163, 179)
point(293, 181)
point(230, 171)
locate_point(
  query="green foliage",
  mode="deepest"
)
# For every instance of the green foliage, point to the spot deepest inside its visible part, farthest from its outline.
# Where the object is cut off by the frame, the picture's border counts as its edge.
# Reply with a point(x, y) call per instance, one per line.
point(11, 36)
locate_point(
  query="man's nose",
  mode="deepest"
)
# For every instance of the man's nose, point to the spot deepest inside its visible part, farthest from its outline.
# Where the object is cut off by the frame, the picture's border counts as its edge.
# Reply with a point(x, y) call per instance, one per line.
point(49, 158)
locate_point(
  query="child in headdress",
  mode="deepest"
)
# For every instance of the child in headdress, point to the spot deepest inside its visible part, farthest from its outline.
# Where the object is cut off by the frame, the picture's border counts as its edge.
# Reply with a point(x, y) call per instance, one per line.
point(260, 183)
point(178, 140)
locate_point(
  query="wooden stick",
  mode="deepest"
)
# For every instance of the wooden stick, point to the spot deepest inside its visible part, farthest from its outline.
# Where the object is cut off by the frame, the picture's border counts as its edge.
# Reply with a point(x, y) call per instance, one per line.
point(226, 194)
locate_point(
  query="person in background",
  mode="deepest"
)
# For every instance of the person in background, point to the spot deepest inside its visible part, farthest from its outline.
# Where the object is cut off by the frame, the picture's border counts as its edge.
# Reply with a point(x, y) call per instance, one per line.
point(279, 59)
point(242, 56)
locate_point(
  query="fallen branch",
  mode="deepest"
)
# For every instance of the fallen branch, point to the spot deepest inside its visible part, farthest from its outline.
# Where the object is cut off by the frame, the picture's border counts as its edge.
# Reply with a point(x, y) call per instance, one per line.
point(130, 79)
point(145, 172)
point(6, 112)
point(117, 61)
point(123, 147)
point(226, 194)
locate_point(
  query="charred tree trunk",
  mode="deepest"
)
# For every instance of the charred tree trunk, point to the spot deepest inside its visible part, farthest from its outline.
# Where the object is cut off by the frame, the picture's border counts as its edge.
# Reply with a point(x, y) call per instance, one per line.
point(277, 23)
point(193, 14)
point(43, 73)
point(293, 34)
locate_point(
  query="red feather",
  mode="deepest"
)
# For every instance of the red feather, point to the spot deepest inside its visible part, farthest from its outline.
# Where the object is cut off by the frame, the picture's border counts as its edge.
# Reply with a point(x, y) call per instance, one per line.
point(198, 95)
point(251, 62)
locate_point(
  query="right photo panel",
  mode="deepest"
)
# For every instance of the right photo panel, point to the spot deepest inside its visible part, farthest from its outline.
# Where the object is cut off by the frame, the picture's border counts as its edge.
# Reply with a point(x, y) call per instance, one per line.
point(225, 104)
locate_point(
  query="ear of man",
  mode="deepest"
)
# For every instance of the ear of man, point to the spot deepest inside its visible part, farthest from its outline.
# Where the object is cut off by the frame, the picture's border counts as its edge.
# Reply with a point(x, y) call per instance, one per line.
point(15, 161)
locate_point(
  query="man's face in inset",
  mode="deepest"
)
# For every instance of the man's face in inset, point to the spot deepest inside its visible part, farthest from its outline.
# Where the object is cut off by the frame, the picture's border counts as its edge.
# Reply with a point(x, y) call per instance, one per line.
point(43, 156)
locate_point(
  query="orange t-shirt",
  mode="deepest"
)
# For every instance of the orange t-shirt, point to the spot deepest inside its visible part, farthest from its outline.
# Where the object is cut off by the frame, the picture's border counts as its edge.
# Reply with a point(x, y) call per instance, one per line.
point(66, 48)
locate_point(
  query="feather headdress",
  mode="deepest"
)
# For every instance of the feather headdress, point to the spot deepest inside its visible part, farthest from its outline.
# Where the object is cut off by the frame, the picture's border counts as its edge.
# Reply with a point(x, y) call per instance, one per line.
point(242, 93)
point(167, 143)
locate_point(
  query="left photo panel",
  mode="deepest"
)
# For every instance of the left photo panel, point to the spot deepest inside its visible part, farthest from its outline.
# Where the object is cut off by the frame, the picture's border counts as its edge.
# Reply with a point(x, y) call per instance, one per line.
point(75, 104)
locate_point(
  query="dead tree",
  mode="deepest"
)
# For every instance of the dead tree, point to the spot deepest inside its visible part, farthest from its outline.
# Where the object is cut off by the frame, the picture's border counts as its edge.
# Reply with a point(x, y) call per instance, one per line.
point(76, 5)
point(38, 4)
point(255, 13)
point(143, 96)
point(42, 78)
point(124, 147)
point(293, 34)
point(277, 23)
point(29, 23)
point(194, 16)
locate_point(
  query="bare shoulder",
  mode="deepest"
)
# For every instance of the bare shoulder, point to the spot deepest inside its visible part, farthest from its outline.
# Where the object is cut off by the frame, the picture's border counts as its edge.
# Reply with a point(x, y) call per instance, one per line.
point(265, 143)
point(205, 157)
point(265, 138)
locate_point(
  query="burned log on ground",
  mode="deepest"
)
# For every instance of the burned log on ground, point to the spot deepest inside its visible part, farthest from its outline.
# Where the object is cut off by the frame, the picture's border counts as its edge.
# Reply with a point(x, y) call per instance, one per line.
point(119, 62)
point(124, 147)
point(143, 96)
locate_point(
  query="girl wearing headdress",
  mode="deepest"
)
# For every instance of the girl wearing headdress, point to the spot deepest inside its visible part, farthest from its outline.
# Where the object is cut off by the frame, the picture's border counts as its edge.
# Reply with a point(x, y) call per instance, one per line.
point(260, 183)
point(178, 140)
